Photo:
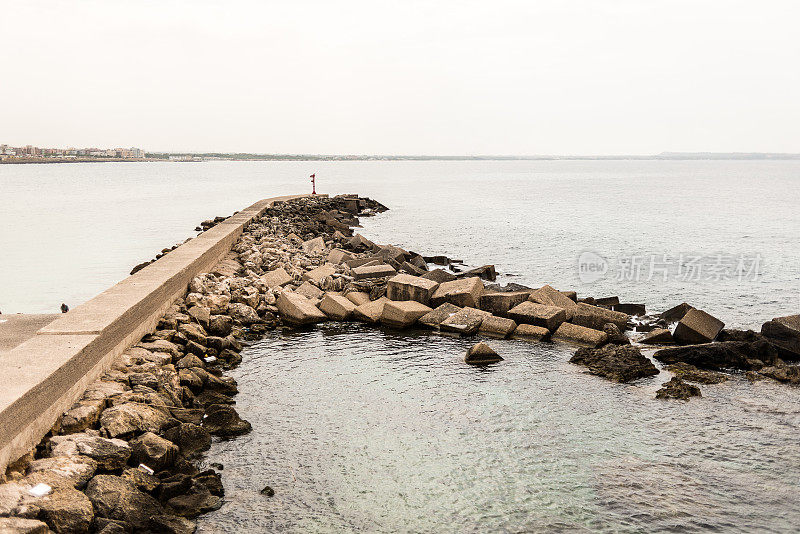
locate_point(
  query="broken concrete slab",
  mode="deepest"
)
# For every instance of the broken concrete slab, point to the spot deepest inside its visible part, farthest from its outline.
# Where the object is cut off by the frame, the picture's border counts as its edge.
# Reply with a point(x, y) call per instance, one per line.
point(579, 335)
point(465, 292)
point(784, 333)
point(630, 309)
point(435, 317)
point(403, 314)
point(373, 271)
point(466, 321)
point(550, 296)
point(487, 272)
point(314, 246)
point(607, 301)
point(412, 269)
point(336, 307)
point(409, 287)
point(528, 312)
point(595, 317)
point(499, 327)
point(697, 327)
point(316, 275)
point(276, 278)
point(297, 310)
point(338, 256)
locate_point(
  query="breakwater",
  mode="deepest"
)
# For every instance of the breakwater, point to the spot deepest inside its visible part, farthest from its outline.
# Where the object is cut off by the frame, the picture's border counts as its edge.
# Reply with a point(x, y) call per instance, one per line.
point(297, 265)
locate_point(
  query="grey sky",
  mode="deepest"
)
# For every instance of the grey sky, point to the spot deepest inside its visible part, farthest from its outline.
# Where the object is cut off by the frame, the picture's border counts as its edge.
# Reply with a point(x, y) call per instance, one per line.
point(368, 77)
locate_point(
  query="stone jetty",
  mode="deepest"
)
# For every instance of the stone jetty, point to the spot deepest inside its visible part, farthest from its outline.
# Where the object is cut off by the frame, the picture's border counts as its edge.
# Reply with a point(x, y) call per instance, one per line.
point(123, 458)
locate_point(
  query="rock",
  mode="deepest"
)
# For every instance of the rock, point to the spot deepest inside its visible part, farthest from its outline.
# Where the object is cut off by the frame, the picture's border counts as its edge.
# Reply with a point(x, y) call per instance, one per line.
point(316, 275)
point(309, 291)
point(677, 389)
point(465, 322)
point(201, 314)
point(481, 354)
point(338, 256)
point(615, 337)
point(434, 318)
point(171, 524)
point(676, 313)
point(367, 261)
point(116, 498)
point(223, 420)
point(782, 373)
point(487, 272)
point(370, 312)
point(407, 287)
point(84, 414)
point(621, 363)
point(357, 297)
point(143, 481)
point(607, 301)
point(373, 271)
point(297, 310)
point(630, 309)
point(691, 373)
point(190, 438)
point(580, 335)
point(194, 504)
point(439, 276)
point(657, 336)
point(109, 454)
point(529, 332)
point(402, 314)
point(549, 317)
point(411, 269)
point(211, 481)
point(276, 278)
point(336, 307)
point(77, 469)
point(595, 317)
point(147, 380)
point(697, 327)
point(20, 525)
point(724, 355)
point(498, 327)
point(500, 302)
point(784, 333)
point(65, 510)
point(153, 451)
point(243, 314)
point(572, 295)
point(314, 246)
point(220, 325)
point(465, 292)
point(193, 332)
point(552, 297)
point(162, 345)
point(268, 491)
point(129, 418)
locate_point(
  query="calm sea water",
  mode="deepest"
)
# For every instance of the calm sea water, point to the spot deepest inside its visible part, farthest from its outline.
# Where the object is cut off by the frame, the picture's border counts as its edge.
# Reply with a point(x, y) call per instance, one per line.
point(360, 429)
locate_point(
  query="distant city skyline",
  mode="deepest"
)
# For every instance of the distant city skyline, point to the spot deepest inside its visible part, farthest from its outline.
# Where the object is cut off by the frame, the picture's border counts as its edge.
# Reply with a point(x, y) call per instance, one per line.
point(357, 77)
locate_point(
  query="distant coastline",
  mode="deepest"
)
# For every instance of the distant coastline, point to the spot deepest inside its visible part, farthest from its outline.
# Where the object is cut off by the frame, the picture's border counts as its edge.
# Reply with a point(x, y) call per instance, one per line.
point(183, 157)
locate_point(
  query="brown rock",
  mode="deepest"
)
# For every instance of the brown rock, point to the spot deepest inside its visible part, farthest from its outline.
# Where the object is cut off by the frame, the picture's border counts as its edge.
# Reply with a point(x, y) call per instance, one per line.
point(297, 310)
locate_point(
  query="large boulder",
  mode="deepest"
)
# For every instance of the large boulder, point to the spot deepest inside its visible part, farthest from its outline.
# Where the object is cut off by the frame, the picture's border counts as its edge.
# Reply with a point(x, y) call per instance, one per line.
point(500, 302)
point(297, 310)
point(596, 317)
point(77, 469)
point(223, 420)
point(697, 327)
point(336, 307)
point(194, 504)
point(549, 317)
point(220, 325)
point(615, 336)
point(115, 498)
point(550, 296)
point(84, 414)
point(109, 454)
point(465, 292)
point(784, 333)
point(402, 314)
point(131, 417)
point(621, 363)
point(580, 335)
point(498, 327)
point(65, 510)
point(677, 389)
point(243, 314)
point(20, 525)
point(725, 355)
point(408, 287)
point(691, 373)
point(466, 321)
point(481, 354)
point(153, 451)
point(190, 438)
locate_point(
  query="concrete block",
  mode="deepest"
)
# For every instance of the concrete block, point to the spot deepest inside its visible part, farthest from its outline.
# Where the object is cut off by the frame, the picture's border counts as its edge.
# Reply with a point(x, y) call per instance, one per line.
point(374, 271)
point(571, 295)
point(697, 327)
point(549, 317)
point(276, 278)
point(579, 335)
point(297, 310)
point(439, 275)
point(358, 297)
point(371, 311)
point(408, 287)
point(336, 307)
point(314, 246)
point(412, 269)
point(435, 317)
point(316, 275)
point(500, 302)
point(529, 332)
point(481, 354)
point(657, 336)
point(358, 262)
point(402, 314)
point(676, 313)
point(607, 301)
point(309, 291)
point(595, 317)
point(630, 309)
point(498, 327)
point(338, 256)
point(466, 321)
point(549, 296)
point(466, 292)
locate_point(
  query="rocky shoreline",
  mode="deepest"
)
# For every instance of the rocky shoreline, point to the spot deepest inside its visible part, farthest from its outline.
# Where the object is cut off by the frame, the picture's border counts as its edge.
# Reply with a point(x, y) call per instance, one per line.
point(125, 457)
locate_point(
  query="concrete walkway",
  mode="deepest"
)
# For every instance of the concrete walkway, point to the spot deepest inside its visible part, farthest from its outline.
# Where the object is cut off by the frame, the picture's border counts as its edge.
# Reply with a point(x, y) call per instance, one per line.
point(17, 328)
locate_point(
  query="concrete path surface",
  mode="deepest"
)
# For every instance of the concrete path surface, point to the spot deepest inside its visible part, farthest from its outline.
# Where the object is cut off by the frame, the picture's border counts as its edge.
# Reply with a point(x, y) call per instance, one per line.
point(17, 328)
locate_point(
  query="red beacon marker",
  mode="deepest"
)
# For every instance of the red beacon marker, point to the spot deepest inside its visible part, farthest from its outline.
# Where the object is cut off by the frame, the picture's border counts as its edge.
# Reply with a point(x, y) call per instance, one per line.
point(313, 184)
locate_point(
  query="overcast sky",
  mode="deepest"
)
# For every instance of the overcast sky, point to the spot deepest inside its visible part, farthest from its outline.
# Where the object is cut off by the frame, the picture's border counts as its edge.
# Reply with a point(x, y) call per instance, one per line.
point(403, 77)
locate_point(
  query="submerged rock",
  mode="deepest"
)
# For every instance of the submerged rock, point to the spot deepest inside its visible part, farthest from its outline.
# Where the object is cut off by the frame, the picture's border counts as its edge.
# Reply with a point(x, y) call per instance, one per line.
point(724, 355)
point(115, 498)
point(481, 354)
point(677, 389)
point(691, 373)
point(621, 363)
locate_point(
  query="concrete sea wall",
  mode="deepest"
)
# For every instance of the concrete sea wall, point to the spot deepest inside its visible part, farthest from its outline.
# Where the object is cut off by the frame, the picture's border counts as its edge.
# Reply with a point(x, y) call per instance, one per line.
point(45, 375)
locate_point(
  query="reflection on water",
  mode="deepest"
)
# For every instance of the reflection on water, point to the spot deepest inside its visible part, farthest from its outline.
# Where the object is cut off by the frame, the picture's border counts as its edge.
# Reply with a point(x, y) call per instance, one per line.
point(359, 429)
